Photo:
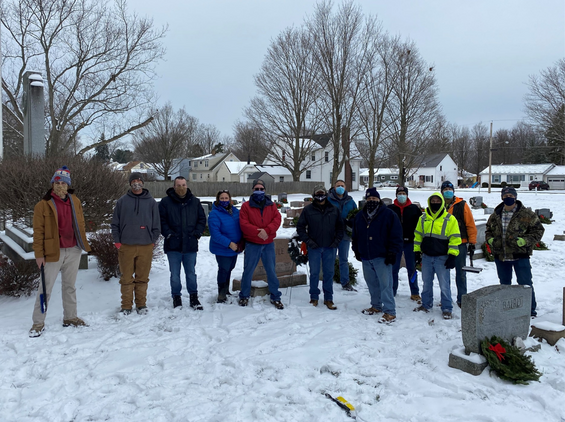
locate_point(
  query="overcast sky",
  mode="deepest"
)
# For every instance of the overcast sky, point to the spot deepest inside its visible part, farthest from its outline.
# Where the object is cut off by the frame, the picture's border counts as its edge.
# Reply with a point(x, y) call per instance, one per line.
point(483, 50)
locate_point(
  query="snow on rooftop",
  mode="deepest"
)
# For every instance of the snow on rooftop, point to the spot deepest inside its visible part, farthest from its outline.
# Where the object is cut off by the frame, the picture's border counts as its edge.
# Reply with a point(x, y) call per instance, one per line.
point(274, 170)
point(556, 171)
point(235, 167)
point(385, 170)
point(519, 169)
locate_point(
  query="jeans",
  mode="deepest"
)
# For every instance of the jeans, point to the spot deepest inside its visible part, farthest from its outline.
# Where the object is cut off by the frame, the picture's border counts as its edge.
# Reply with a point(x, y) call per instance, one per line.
point(254, 252)
point(378, 276)
point(343, 254)
point(225, 266)
point(188, 261)
point(523, 270)
point(410, 259)
point(436, 265)
point(325, 257)
point(460, 275)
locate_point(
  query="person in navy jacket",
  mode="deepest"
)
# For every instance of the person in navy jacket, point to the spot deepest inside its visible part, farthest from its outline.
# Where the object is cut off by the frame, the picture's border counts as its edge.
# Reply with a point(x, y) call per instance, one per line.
point(225, 234)
point(376, 240)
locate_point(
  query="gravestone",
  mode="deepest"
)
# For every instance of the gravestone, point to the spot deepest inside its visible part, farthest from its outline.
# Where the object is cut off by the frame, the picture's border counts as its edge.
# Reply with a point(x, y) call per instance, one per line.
point(34, 114)
point(294, 212)
point(282, 197)
point(502, 311)
point(362, 203)
point(546, 212)
point(476, 201)
point(284, 267)
point(488, 211)
point(297, 204)
point(387, 201)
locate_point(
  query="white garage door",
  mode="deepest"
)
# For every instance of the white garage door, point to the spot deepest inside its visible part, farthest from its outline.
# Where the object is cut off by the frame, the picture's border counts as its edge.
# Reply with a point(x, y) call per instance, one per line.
point(556, 182)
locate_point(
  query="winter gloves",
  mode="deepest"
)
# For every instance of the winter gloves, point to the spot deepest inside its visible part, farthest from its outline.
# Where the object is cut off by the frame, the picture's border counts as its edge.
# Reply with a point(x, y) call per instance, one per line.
point(520, 242)
point(311, 244)
point(450, 263)
point(490, 241)
point(390, 258)
point(418, 257)
point(471, 248)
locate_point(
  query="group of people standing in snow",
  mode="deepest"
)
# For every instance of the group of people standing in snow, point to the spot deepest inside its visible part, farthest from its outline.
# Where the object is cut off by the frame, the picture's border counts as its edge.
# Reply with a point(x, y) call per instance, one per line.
point(438, 239)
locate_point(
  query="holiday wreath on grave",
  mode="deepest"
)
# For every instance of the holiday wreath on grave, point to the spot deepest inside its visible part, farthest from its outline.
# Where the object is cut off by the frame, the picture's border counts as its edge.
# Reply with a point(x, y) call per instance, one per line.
point(544, 219)
point(540, 246)
point(508, 362)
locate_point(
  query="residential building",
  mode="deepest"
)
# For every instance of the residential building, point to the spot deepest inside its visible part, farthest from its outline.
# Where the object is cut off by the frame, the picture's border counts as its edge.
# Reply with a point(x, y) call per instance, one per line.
point(555, 177)
point(235, 171)
point(205, 168)
point(433, 170)
point(517, 174)
point(278, 173)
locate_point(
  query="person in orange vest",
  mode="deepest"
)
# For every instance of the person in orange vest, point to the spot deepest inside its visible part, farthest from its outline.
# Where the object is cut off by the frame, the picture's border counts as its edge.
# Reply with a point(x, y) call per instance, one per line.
point(461, 211)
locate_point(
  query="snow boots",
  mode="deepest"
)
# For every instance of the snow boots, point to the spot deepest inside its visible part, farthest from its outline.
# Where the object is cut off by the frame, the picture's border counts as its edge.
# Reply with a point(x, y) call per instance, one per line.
point(36, 330)
point(177, 301)
point(195, 303)
point(223, 292)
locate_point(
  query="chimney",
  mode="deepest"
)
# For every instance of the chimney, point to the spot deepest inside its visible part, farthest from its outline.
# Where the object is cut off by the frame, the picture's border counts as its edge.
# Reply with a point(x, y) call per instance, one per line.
point(248, 158)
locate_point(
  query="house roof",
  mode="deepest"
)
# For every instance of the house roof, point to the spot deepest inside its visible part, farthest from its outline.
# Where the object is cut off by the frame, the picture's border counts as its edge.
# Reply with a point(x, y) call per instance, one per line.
point(520, 169)
point(274, 170)
point(431, 160)
point(235, 167)
point(204, 157)
point(556, 171)
point(257, 175)
point(130, 165)
point(321, 139)
point(379, 172)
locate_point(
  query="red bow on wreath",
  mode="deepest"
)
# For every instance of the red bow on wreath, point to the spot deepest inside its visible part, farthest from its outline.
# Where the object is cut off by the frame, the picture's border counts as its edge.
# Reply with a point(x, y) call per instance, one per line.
point(499, 350)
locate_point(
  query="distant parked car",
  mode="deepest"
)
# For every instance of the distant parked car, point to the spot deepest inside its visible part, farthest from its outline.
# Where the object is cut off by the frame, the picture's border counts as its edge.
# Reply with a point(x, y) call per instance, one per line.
point(538, 185)
point(390, 184)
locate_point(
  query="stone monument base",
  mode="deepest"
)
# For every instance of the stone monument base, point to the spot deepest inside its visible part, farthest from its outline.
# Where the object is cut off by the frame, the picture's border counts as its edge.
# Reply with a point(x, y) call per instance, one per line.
point(548, 331)
point(473, 363)
point(284, 281)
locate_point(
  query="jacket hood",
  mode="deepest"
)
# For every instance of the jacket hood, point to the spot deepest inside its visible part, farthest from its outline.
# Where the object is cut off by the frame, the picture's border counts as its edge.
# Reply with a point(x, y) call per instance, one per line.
point(173, 195)
point(435, 215)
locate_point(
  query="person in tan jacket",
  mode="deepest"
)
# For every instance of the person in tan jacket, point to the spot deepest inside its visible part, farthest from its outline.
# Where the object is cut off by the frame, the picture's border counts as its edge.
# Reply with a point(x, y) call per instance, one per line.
point(58, 241)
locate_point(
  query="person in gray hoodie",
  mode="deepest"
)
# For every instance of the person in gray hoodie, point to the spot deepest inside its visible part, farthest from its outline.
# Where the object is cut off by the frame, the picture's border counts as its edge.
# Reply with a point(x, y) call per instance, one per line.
point(136, 227)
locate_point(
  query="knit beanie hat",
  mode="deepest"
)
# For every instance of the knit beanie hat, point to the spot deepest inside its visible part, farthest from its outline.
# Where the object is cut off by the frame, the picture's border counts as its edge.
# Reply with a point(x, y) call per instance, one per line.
point(62, 175)
point(402, 189)
point(447, 184)
point(372, 192)
point(135, 176)
point(508, 189)
point(319, 188)
point(258, 182)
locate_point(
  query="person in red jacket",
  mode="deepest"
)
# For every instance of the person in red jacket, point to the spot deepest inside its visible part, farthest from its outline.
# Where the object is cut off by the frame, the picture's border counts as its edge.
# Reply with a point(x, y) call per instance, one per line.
point(259, 219)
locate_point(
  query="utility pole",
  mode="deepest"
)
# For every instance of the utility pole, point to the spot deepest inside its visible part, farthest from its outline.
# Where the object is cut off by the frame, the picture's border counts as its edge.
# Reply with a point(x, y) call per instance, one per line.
point(490, 160)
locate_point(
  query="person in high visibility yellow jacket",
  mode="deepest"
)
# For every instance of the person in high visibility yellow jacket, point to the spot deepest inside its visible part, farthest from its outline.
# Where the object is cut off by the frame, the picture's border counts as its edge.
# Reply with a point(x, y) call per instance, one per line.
point(436, 244)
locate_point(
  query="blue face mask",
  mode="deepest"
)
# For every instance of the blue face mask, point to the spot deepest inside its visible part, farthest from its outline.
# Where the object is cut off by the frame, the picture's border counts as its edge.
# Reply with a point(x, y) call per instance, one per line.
point(509, 201)
point(340, 190)
point(259, 195)
point(402, 198)
point(224, 204)
point(448, 194)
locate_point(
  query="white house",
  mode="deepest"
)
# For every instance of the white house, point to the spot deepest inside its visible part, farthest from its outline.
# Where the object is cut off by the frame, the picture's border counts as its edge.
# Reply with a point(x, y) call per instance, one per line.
point(433, 170)
point(521, 174)
point(235, 171)
point(320, 161)
point(279, 173)
point(555, 177)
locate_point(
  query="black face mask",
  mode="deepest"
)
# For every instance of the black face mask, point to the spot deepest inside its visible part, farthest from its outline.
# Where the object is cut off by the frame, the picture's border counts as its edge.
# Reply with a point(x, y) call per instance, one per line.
point(372, 205)
point(509, 201)
point(320, 198)
point(435, 207)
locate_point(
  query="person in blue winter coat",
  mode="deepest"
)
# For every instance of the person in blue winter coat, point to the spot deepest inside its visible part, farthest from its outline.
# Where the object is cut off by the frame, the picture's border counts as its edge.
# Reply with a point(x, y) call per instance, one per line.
point(339, 198)
point(225, 234)
point(376, 240)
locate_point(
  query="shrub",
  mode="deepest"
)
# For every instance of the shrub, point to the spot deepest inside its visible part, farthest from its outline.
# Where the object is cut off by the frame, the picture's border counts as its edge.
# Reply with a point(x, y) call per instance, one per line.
point(503, 184)
point(18, 278)
point(352, 273)
point(96, 184)
point(102, 246)
point(484, 185)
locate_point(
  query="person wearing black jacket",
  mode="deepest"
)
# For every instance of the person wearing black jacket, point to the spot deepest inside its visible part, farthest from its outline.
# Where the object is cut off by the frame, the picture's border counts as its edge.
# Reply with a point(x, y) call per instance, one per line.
point(376, 240)
point(409, 214)
point(182, 223)
point(320, 226)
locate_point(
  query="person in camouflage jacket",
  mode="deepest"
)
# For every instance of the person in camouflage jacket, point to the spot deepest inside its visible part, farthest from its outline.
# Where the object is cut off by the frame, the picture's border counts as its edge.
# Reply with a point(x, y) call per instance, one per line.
point(512, 232)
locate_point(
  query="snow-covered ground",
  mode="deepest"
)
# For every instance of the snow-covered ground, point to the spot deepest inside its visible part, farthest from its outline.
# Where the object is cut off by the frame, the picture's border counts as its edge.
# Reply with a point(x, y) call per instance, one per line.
point(229, 363)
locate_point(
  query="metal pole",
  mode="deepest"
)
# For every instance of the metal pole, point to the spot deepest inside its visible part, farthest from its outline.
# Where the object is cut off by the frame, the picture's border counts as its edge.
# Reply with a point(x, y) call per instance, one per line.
point(490, 160)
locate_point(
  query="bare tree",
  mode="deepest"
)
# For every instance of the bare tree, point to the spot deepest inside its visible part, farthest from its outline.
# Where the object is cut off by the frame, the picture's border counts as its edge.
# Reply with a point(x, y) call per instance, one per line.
point(377, 87)
point(97, 62)
point(343, 52)
point(480, 137)
point(166, 140)
point(461, 147)
point(415, 110)
point(285, 109)
point(248, 143)
point(209, 138)
point(545, 106)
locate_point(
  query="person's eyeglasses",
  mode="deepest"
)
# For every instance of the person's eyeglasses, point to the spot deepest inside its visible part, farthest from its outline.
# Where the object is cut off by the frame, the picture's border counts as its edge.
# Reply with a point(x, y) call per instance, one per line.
point(224, 191)
point(256, 189)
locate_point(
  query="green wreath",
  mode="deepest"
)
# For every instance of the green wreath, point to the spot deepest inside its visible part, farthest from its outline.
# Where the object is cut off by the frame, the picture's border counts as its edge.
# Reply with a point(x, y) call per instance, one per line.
point(508, 363)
